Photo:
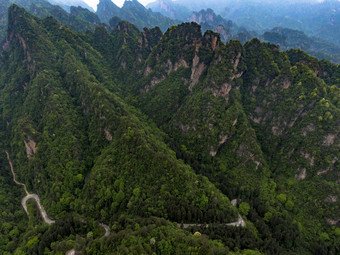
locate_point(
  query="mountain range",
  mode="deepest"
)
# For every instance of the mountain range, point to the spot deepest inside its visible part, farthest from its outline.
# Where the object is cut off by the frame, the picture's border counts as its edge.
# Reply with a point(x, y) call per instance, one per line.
point(134, 12)
point(140, 141)
point(66, 4)
point(287, 36)
point(315, 18)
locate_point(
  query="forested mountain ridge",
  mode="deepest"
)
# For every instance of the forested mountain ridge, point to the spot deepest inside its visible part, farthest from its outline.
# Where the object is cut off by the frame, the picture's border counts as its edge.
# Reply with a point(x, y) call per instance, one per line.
point(210, 21)
point(79, 19)
point(231, 116)
point(293, 39)
point(242, 121)
point(81, 148)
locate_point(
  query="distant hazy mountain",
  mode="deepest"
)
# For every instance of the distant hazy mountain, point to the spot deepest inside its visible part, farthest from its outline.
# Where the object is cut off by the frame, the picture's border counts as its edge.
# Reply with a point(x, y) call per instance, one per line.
point(66, 4)
point(294, 39)
point(134, 12)
point(170, 9)
point(210, 21)
point(321, 19)
point(284, 37)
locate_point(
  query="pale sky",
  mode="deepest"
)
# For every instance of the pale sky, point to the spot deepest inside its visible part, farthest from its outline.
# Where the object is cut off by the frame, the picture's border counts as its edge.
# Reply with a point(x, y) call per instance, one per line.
point(93, 3)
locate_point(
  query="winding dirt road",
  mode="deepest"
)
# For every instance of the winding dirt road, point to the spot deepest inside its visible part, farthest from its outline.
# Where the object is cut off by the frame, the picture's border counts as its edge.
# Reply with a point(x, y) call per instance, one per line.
point(107, 229)
point(29, 196)
point(12, 170)
point(239, 223)
point(41, 208)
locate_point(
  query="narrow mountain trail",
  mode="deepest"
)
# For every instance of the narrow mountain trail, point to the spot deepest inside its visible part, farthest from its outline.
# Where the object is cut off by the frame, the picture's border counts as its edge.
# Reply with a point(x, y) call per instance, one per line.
point(14, 179)
point(29, 196)
point(41, 207)
point(239, 223)
point(107, 229)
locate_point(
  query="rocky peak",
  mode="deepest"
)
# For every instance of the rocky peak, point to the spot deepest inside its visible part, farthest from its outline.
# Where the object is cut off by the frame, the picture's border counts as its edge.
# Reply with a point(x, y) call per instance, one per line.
point(165, 5)
point(190, 32)
point(127, 27)
point(133, 3)
point(211, 40)
point(149, 37)
point(18, 20)
point(203, 16)
point(106, 9)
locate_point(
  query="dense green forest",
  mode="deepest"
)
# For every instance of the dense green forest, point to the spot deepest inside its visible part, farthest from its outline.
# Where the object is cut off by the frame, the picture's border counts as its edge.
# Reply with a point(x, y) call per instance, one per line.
point(152, 134)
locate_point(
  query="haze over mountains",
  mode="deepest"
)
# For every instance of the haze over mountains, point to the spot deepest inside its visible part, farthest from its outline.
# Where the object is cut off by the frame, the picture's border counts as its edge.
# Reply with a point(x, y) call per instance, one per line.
point(316, 18)
point(319, 21)
point(68, 3)
point(141, 134)
point(172, 13)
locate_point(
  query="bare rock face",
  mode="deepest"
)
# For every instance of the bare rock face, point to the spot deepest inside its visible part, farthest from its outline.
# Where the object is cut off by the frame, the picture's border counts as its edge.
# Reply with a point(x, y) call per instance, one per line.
point(309, 128)
point(31, 149)
point(309, 157)
point(213, 152)
point(331, 199)
point(276, 131)
point(332, 222)
point(329, 140)
point(147, 71)
point(286, 84)
point(196, 70)
point(301, 175)
point(328, 169)
point(223, 139)
point(155, 80)
point(223, 92)
point(108, 135)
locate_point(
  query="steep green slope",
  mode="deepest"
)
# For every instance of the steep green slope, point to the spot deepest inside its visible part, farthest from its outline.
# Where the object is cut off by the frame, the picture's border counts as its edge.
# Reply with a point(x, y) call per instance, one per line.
point(85, 14)
point(241, 115)
point(89, 155)
point(243, 121)
point(77, 20)
point(296, 117)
